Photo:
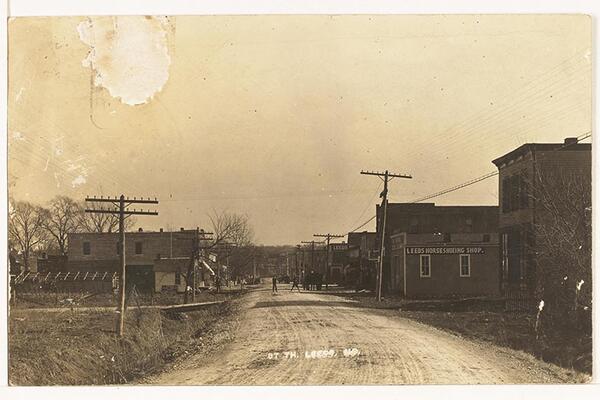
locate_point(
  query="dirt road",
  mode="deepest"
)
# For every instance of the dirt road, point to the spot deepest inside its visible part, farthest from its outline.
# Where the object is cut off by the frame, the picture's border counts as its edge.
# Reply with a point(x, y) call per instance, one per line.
point(279, 338)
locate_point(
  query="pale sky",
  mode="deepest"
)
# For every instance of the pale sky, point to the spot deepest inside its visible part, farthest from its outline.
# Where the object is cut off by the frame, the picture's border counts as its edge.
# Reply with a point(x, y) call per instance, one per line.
point(275, 116)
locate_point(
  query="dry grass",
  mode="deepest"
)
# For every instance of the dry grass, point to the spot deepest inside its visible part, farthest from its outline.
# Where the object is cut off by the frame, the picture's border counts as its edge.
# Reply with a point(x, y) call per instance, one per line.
point(80, 347)
point(513, 330)
point(485, 320)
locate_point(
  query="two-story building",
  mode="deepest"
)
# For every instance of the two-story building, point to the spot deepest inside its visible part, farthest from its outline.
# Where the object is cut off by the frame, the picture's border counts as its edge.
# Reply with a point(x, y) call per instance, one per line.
point(541, 185)
point(154, 259)
point(367, 256)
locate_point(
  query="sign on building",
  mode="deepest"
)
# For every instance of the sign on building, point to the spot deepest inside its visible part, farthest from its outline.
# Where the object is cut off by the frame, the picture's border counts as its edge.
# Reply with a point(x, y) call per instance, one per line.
point(444, 250)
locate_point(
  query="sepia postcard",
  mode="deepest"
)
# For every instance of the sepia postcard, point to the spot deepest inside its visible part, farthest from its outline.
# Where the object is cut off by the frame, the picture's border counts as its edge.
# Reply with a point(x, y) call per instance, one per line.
point(300, 200)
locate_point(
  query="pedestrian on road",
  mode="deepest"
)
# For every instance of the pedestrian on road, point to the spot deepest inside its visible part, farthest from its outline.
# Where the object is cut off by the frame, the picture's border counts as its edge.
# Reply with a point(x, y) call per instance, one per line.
point(295, 284)
point(274, 284)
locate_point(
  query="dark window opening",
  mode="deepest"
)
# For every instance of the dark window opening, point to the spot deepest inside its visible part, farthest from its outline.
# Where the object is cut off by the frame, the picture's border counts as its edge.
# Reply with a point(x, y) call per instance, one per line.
point(505, 196)
point(138, 247)
point(87, 249)
point(486, 237)
point(177, 278)
point(447, 237)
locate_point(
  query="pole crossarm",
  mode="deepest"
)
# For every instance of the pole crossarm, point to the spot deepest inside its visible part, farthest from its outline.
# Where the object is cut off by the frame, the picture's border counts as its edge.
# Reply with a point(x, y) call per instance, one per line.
point(122, 203)
point(389, 174)
point(386, 177)
point(126, 212)
point(328, 235)
point(135, 200)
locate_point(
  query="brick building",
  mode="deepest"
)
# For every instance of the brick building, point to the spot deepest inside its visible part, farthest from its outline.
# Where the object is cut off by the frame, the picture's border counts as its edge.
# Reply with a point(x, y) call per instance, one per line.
point(531, 178)
point(99, 252)
point(445, 265)
point(442, 223)
point(367, 256)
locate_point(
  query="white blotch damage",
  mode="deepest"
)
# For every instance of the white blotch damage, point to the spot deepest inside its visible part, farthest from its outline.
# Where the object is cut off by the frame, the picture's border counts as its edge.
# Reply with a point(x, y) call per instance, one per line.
point(78, 181)
point(18, 136)
point(129, 55)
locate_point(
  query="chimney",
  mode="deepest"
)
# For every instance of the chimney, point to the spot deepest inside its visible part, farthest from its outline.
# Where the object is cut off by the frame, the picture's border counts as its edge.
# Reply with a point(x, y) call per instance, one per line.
point(571, 140)
point(181, 229)
point(140, 229)
point(161, 229)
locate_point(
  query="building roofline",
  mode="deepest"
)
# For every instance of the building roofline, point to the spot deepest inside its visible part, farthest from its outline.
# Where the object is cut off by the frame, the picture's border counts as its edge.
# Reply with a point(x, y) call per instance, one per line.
point(132, 232)
point(541, 147)
point(445, 206)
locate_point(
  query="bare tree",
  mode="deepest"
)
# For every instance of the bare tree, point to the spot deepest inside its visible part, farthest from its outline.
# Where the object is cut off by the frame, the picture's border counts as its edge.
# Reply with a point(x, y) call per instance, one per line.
point(98, 222)
point(231, 228)
point(26, 228)
point(63, 217)
point(562, 231)
point(232, 234)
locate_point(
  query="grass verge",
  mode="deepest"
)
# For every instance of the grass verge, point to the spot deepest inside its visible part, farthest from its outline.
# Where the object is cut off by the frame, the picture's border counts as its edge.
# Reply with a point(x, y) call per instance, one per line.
point(80, 347)
point(485, 320)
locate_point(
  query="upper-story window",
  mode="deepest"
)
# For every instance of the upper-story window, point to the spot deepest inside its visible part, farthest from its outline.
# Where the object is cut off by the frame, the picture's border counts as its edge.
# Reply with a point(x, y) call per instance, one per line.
point(138, 247)
point(87, 248)
point(515, 194)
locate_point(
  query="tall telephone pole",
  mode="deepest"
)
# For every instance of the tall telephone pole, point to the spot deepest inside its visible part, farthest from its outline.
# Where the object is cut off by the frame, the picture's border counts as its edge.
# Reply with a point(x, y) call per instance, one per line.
point(123, 212)
point(328, 237)
point(200, 235)
point(312, 253)
point(387, 176)
point(297, 259)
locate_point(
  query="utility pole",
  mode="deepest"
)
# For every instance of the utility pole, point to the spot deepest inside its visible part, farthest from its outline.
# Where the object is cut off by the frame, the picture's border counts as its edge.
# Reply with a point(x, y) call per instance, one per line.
point(387, 176)
point(328, 237)
point(312, 253)
point(200, 235)
point(122, 203)
point(297, 259)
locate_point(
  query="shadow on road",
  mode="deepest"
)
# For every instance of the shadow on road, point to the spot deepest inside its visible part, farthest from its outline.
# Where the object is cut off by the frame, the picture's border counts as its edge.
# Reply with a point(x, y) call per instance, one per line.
point(307, 303)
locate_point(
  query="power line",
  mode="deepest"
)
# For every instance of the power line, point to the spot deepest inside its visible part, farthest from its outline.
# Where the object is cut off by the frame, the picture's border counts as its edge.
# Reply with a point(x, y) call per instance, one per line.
point(454, 188)
point(489, 175)
point(469, 182)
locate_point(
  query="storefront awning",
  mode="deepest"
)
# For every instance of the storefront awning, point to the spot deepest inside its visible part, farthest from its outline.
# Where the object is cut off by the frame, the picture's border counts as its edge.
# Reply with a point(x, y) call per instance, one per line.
point(208, 267)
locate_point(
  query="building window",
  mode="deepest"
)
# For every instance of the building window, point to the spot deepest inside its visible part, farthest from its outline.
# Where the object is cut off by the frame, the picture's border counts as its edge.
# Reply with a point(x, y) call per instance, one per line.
point(87, 249)
point(138, 247)
point(515, 193)
point(425, 265)
point(524, 192)
point(505, 196)
point(465, 265)
point(447, 237)
point(486, 237)
point(178, 278)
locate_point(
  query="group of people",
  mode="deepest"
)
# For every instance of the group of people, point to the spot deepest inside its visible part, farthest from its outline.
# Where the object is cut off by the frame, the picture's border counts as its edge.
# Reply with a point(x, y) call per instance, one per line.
point(312, 281)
